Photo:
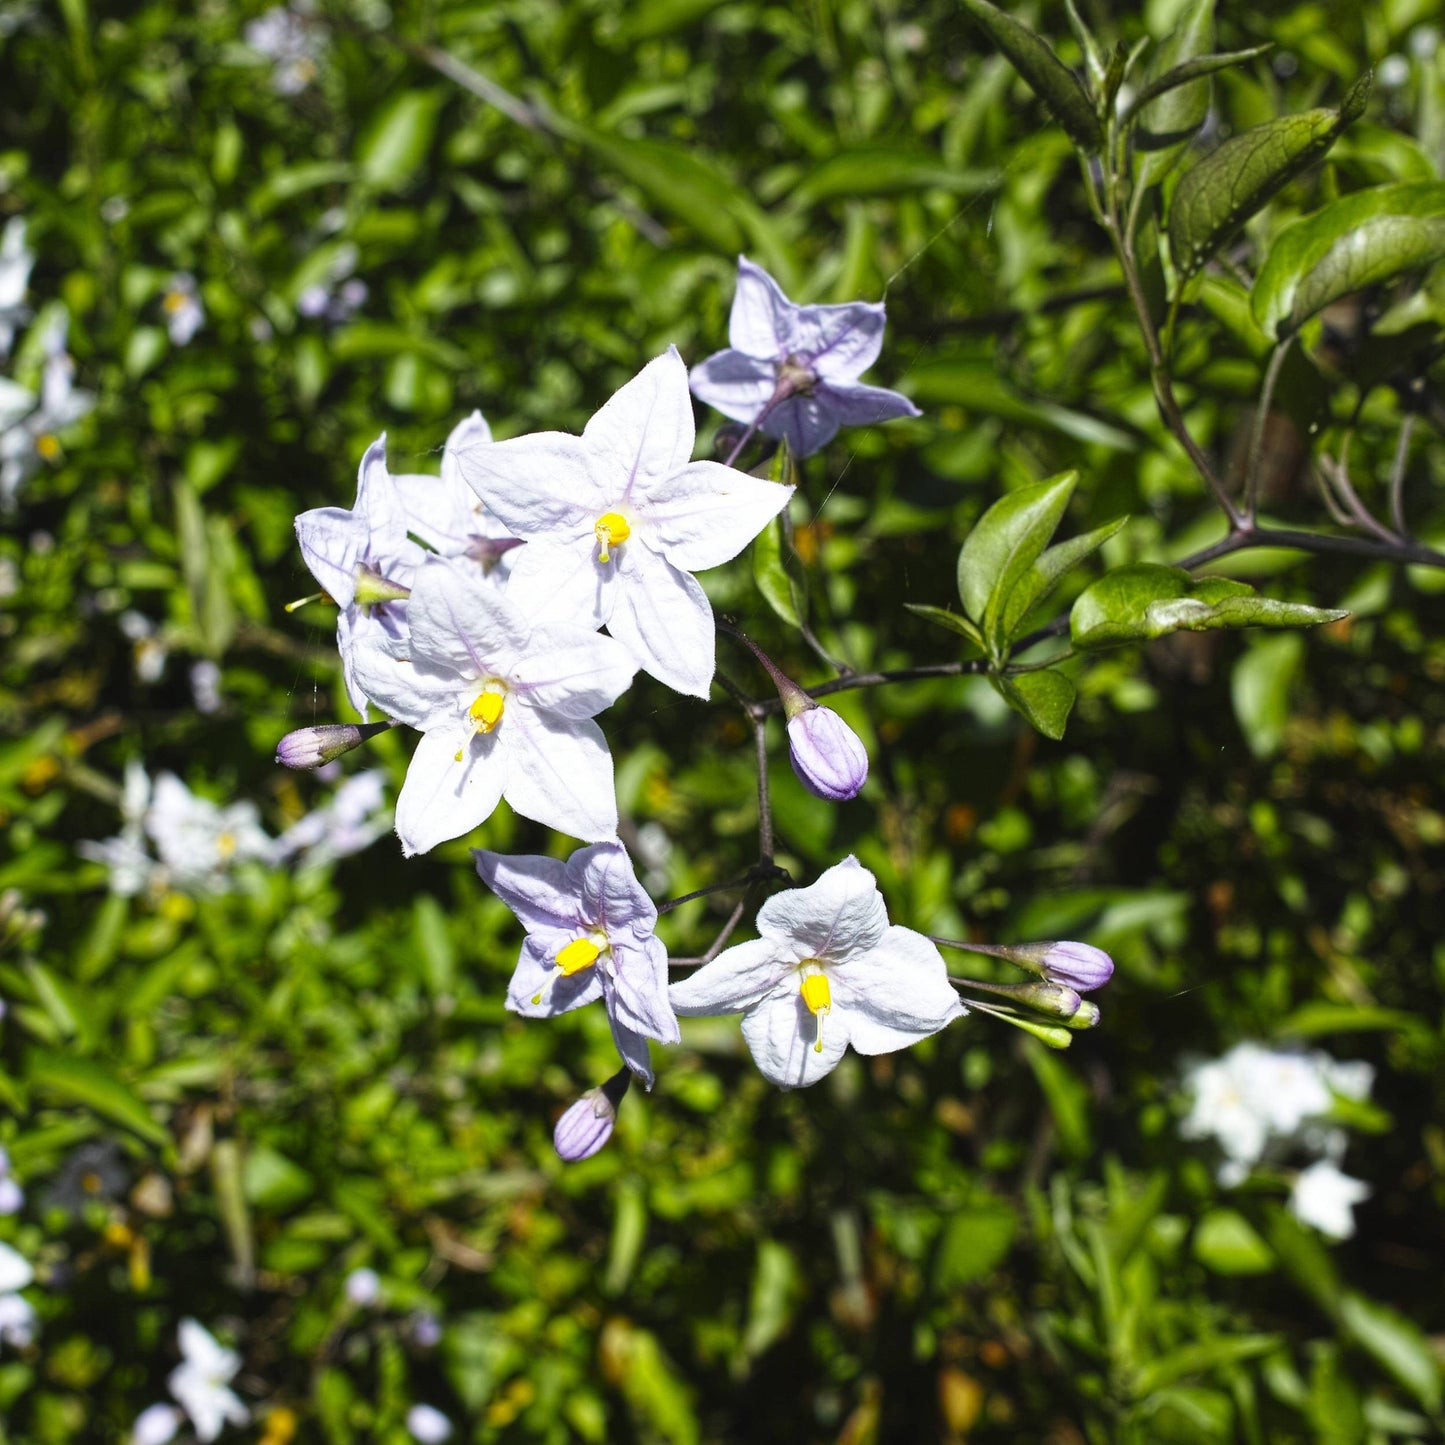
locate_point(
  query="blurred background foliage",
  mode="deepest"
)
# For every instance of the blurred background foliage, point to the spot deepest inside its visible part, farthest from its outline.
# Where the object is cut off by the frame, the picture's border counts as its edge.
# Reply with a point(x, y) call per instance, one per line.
point(974, 1240)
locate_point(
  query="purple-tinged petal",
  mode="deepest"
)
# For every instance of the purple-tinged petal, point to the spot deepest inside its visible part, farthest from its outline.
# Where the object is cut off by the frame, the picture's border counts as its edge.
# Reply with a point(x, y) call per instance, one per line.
point(537, 977)
point(805, 422)
point(705, 514)
point(644, 432)
point(839, 343)
point(856, 404)
point(738, 979)
point(761, 323)
point(639, 989)
point(541, 891)
point(735, 384)
point(602, 877)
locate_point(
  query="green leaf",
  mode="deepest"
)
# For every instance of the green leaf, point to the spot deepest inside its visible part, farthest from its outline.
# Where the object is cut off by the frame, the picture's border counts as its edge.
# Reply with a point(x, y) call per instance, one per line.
point(393, 150)
point(1260, 688)
point(1227, 1243)
point(1218, 194)
point(1172, 107)
point(777, 1284)
point(1147, 600)
point(1006, 542)
point(1067, 1098)
point(1043, 576)
point(1356, 241)
point(281, 186)
point(94, 1086)
point(974, 1243)
point(774, 581)
point(1201, 1358)
point(1054, 83)
point(1305, 1259)
point(629, 1230)
point(1396, 1343)
point(1044, 698)
point(435, 951)
point(887, 171)
point(1319, 1018)
point(272, 1182)
point(951, 620)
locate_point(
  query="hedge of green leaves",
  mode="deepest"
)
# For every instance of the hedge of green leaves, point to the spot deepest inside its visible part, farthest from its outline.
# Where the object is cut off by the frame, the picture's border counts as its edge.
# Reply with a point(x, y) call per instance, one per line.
point(220, 1105)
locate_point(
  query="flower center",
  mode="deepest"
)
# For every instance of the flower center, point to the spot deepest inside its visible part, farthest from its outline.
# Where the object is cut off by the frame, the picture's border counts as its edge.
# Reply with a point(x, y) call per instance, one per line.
point(611, 531)
point(485, 712)
point(175, 301)
point(818, 997)
point(47, 446)
point(574, 957)
point(795, 377)
point(226, 846)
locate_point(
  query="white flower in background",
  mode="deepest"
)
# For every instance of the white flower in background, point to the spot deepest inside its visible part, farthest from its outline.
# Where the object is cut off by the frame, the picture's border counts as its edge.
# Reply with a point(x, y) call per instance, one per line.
point(15, 1270)
point(617, 520)
point(206, 686)
point(183, 310)
point(201, 1382)
point(16, 260)
point(589, 935)
point(198, 841)
point(12, 1196)
point(352, 819)
point(148, 647)
point(132, 868)
point(828, 971)
point(17, 1315)
point(506, 710)
point(156, 1425)
point(793, 370)
point(338, 303)
point(30, 432)
point(427, 1425)
point(286, 37)
point(363, 1287)
point(1325, 1198)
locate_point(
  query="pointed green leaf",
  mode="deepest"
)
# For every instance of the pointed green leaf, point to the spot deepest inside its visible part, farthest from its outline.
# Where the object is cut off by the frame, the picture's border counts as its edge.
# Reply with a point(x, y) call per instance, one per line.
point(1007, 541)
point(1170, 113)
point(1226, 1242)
point(1398, 1344)
point(393, 150)
point(951, 620)
point(1044, 699)
point(1218, 194)
point(887, 171)
point(1043, 576)
point(1050, 79)
point(1354, 242)
point(1201, 1358)
point(779, 590)
point(94, 1086)
point(1146, 600)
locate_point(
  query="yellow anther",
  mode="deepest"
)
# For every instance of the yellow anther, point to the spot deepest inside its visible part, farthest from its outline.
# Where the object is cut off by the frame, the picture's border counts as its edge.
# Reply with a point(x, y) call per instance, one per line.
point(47, 446)
point(611, 529)
point(226, 846)
point(579, 954)
point(486, 711)
point(819, 999)
point(174, 301)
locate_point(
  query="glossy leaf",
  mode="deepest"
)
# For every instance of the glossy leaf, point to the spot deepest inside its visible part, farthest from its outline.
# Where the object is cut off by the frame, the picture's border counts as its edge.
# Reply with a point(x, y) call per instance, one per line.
point(1168, 120)
point(774, 581)
point(1044, 575)
point(1218, 194)
point(1054, 83)
point(1044, 698)
point(949, 620)
point(1356, 241)
point(1146, 600)
point(394, 147)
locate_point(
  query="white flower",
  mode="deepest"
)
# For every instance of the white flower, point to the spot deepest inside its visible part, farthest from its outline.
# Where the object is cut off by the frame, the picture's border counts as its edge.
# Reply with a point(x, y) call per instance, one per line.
point(201, 1382)
point(353, 819)
point(15, 1271)
point(199, 841)
point(131, 866)
point(1325, 1198)
point(617, 520)
point(827, 971)
point(17, 1321)
point(506, 708)
point(148, 647)
point(183, 310)
point(363, 1287)
point(206, 686)
point(16, 259)
point(12, 1196)
point(30, 433)
point(284, 36)
point(428, 1426)
point(156, 1425)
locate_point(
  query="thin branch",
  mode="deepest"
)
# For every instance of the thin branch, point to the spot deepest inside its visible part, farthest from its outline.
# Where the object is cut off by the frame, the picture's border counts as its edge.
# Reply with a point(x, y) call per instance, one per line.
point(1397, 474)
point(1261, 423)
point(765, 807)
point(1337, 474)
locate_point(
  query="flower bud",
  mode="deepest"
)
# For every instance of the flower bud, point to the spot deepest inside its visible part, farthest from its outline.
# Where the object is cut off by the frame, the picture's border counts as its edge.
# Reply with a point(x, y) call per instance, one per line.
point(1087, 1016)
point(1077, 965)
point(827, 755)
point(588, 1124)
point(312, 747)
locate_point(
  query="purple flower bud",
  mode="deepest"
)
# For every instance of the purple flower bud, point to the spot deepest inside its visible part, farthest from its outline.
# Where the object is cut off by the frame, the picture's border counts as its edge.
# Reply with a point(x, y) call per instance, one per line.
point(1078, 965)
point(828, 756)
point(588, 1124)
point(311, 747)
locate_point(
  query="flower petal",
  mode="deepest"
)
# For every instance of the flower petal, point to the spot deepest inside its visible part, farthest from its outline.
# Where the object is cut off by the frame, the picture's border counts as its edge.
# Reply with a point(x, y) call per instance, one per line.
point(572, 672)
point(839, 342)
point(632, 1046)
point(706, 514)
point(734, 383)
point(783, 1037)
point(738, 979)
point(333, 543)
point(473, 431)
point(663, 618)
point(443, 798)
point(840, 917)
point(806, 423)
point(557, 581)
point(378, 502)
point(856, 404)
point(461, 627)
point(539, 485)
point(638, 993)
point(643, 433)
point(761, 323)
point(603, 879)
point(560, 773)
point(393, 685)
point(896, 994)
point(541, 891)
point(537, 976)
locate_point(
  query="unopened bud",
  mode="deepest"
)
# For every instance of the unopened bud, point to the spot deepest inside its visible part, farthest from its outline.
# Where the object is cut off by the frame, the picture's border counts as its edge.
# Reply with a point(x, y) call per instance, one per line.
point(588, 1124)
point(1079, 966)
point(827, 755)
point(1087, 1016)
point(312, 747)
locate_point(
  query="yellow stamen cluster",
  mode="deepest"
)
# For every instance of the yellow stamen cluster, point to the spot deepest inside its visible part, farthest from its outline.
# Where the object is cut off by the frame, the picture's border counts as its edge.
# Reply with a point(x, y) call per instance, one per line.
point(47, 446)
point(573, 958)
point(485, 713)
point(611, 530)
point(818, 997)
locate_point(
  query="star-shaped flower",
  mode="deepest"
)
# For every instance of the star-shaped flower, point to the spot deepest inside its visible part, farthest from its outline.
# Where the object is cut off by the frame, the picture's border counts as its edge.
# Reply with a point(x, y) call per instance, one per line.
point(793, 370)
point(1325, 1197)
point(617, 520)
point(828, 971)
point(590, 935)
point(506, 707)
point(201, 1382)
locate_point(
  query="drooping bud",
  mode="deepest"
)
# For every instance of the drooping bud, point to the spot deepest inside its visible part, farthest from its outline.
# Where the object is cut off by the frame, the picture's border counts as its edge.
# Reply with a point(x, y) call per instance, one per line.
point(827, 755)
point(588, 1124)
point(311, 747)
point(1080, 966)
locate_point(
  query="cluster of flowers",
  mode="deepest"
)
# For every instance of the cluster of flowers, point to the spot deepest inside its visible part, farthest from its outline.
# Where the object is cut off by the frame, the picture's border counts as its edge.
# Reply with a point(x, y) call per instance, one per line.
point(172, 838)
point(1261, 1105)
point(32, 422)
point(470, 605)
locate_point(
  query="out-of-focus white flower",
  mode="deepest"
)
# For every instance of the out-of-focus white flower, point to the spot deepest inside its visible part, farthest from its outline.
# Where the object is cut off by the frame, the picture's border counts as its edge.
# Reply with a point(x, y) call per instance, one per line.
point(363, 1287)
point(16, 260)
point(427, 1425)
point(199, 841)
point(206, 686)
point(353, 819)
point(1391, 73)
point(201, 1382)
point(131, 866)
point(1325, 1198)
point(426, 1331)
point(156, 1425)
point(12, 1196)
point(30, 431)
point(285, 36)
point(17, 1321)
point(15, 1270)
point(148, 647)
point(183, 310)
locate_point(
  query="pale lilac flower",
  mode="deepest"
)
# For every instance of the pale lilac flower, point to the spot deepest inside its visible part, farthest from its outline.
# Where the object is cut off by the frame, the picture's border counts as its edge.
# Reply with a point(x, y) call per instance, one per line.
point(589, 935)
point(337, 304)
point(201, 1382)
point(506, 707)
point(12, 1196)
point(827, 755)
point(16, 261)
point(197, 841)
point(363, 1287)
point(156, 1425)
point(352, 820)
point(31, 427)
point(294, 45)
point(149, 651)
point(587, 1125)
point(183, 310)
point(427, 1425)
point(793, 370)
point(828, 971)
point(426, 1331)
point(617, 520)
point(1325, 1198)
point(17, 1321)
point(206, 686)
